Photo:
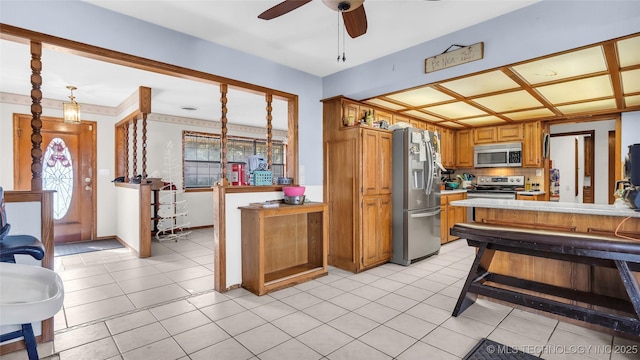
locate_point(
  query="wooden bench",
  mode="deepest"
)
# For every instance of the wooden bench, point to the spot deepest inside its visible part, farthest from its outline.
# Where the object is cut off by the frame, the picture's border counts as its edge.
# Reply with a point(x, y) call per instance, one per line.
point(621, 315)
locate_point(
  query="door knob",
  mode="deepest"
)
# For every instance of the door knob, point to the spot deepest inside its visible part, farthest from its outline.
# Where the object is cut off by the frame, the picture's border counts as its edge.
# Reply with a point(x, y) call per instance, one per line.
point(87, 180)
point(87, 187)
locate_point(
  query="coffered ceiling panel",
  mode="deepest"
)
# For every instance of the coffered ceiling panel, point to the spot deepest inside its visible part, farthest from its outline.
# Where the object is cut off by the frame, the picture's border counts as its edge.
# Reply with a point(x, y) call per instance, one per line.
point(452, 125)
point(481, 121)
point(420, 97)
point(578, 63)
point(511, 101)
point(581, 82)
point(529, 114)
point(481, 84)
point(632, 100)
point(587, 107)
point(456, 110)
point(577, 90)
point(628, 51)
point(385, 104)
point(422, 115)
point(631, 80)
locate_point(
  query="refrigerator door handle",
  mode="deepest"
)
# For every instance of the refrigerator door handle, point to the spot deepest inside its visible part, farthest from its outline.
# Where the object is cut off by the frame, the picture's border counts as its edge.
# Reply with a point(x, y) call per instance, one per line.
point(429, 170)
point(426, 214)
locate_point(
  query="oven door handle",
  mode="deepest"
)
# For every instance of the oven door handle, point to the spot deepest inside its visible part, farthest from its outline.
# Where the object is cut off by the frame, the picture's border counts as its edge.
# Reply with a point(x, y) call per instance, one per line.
point(503, 196)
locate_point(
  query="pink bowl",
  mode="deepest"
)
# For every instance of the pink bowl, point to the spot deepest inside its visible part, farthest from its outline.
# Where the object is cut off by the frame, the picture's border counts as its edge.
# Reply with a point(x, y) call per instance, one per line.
point(293, 190)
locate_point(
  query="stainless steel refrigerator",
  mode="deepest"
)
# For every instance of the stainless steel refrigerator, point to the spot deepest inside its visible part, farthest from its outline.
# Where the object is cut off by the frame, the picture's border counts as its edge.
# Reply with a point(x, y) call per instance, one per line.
point(416, 196)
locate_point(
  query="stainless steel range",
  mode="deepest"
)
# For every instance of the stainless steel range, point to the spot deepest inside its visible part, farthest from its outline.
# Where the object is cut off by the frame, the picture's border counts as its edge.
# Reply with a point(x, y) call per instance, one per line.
point(494, 187)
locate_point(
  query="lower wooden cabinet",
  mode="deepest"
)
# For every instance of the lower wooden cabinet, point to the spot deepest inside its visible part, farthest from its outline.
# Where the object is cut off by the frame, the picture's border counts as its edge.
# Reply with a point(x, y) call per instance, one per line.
point(377, 230)
point(532, 197)
point(451, 215)
point(283, 246)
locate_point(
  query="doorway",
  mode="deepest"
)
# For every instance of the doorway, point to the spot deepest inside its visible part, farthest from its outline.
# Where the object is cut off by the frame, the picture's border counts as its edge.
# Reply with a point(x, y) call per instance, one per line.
point(69, 155)
point(572, 154)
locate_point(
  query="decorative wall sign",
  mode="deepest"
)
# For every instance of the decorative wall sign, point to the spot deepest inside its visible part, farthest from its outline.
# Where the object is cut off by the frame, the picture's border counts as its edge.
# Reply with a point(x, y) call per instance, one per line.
point(455, 57)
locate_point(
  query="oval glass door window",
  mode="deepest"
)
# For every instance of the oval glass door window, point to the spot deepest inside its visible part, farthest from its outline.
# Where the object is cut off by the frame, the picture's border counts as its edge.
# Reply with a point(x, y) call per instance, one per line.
point(57, 174)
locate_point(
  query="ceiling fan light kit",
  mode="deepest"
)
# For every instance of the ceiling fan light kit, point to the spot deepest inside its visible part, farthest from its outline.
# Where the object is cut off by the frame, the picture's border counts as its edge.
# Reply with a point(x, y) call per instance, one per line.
point(342, 5)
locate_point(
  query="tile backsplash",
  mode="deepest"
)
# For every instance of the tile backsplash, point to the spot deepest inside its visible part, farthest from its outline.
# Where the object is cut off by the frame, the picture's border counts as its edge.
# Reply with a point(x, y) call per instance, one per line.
point(527, 172)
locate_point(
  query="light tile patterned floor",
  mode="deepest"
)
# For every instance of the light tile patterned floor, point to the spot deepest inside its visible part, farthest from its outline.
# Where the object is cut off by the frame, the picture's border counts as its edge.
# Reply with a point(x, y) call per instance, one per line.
point(120, 307)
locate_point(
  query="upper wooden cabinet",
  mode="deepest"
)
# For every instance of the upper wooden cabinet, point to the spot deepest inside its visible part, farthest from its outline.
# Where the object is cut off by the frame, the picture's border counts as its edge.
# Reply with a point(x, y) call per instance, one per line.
point(514, 132)
point(376, 161)
point(532, 145)
point(485, 135)
point(379, 115)
point(447, 147)
point(351, 110)
point(493, 134)
point(464, 148)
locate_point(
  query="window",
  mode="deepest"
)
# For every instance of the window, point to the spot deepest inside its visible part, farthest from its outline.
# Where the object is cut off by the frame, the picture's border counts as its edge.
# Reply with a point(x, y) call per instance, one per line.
point(202, 156)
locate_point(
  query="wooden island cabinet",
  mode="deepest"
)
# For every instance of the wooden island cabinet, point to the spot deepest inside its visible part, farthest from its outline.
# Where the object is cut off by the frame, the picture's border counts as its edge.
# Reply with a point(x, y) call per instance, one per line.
point(283, 246)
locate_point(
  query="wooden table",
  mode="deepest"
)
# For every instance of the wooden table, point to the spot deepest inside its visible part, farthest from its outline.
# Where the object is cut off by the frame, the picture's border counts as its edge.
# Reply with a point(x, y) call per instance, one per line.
point(283, 246)
point(618, 314)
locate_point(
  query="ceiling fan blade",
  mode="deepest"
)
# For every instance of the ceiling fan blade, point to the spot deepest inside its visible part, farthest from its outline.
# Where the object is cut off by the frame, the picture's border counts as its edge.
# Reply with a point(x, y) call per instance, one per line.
point(282, 8)
point(355, 21)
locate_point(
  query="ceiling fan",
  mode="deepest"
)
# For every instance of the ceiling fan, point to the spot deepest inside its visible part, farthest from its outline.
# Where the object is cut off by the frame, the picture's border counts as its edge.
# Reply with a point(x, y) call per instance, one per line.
point(353, 15)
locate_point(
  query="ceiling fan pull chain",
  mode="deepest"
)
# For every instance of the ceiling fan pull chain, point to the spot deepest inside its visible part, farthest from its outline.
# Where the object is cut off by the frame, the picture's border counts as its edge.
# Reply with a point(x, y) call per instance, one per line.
point(338, 37)
point(343, 40)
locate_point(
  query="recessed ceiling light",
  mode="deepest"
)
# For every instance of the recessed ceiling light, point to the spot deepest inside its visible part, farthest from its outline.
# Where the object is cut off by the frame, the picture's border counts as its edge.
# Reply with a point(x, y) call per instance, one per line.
point(190, 108)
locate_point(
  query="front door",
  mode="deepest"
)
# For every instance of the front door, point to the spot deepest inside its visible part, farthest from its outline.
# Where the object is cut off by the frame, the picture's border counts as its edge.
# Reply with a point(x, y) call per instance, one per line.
point(68, 167)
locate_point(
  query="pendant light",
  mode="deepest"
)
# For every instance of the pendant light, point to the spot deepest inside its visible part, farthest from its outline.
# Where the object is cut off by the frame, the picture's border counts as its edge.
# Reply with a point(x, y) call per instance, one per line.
point(71, 110)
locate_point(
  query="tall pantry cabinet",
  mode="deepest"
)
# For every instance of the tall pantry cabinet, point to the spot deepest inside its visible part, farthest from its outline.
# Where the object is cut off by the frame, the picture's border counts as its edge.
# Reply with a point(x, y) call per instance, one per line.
point(357, 187)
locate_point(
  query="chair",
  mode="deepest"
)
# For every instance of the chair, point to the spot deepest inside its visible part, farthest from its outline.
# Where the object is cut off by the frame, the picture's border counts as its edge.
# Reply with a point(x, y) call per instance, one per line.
point(11, 245)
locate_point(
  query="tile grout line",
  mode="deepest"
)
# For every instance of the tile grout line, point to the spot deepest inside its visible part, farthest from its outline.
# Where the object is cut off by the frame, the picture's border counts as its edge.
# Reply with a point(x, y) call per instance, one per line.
point(144, 308)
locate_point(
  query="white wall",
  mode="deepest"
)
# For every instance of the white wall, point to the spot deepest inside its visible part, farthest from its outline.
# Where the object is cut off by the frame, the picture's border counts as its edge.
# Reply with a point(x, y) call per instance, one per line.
point(600, 179)
point(563, 156)
point(631, 131)
point(105, 141)
point(127, 214)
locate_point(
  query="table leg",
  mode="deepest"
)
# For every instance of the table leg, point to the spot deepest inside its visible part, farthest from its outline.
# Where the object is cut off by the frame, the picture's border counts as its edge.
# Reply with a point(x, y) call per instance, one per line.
point(476, 273)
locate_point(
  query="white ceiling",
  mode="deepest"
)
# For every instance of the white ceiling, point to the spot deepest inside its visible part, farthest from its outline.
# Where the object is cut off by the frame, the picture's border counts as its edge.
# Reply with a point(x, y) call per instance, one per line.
point(305, 39)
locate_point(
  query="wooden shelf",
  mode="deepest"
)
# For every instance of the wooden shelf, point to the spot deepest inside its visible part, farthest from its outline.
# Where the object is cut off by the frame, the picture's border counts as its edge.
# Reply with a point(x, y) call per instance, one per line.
point(283, 246)
point(280, 275)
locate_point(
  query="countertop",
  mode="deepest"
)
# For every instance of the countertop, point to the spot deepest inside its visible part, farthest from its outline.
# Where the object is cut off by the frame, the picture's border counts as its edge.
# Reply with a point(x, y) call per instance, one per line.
point(546, 206)
point(449, 192)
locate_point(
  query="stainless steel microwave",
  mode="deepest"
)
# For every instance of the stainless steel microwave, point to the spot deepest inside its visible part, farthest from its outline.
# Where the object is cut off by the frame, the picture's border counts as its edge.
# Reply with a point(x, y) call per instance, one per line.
point(497, 155)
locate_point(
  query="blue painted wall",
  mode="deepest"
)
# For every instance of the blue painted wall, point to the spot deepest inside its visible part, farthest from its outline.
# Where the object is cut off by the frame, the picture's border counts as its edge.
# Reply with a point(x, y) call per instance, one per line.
point(540, 29)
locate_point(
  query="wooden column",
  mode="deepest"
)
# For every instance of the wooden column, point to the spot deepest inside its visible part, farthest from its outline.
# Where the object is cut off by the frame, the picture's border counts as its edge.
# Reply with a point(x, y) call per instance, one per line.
point(126, 152)
point(144, 146)
point(269, 99)
point(36, 112)
point(135, 147)
point(144, 105)
point(223, 135)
